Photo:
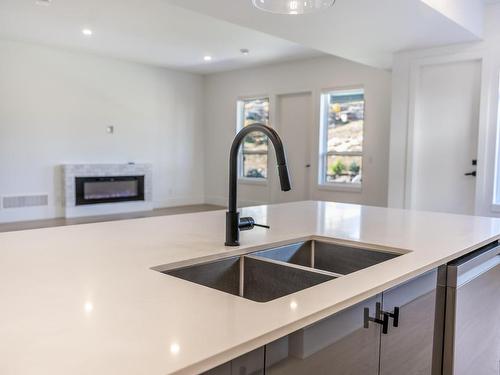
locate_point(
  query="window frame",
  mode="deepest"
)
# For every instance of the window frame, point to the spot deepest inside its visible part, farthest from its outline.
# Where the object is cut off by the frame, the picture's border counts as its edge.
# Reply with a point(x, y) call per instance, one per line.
point(240, 113)
point(323, 141)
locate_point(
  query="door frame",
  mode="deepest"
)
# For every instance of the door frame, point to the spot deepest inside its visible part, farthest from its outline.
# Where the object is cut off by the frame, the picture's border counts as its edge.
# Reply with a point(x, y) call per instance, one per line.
point(280, 127)
point(414, 95)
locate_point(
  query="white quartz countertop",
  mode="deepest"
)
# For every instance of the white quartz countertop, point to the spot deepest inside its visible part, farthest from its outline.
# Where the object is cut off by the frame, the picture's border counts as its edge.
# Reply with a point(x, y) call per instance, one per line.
point(83, 300)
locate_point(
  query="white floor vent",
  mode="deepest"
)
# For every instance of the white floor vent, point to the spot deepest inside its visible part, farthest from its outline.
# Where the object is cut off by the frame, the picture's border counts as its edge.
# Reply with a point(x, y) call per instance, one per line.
point(25, 201)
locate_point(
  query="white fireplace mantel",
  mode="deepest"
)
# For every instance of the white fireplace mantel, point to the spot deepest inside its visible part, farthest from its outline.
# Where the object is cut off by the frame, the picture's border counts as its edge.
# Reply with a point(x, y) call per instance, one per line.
point(71, 171)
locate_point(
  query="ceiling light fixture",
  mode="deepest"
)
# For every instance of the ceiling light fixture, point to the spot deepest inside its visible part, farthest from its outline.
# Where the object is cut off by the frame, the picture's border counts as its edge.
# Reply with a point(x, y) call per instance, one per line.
point(292, 6)
point(87, 32)
point(207, 58)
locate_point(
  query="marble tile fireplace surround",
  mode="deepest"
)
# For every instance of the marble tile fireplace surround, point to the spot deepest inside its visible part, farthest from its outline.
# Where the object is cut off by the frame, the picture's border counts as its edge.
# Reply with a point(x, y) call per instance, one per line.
point(134, 180)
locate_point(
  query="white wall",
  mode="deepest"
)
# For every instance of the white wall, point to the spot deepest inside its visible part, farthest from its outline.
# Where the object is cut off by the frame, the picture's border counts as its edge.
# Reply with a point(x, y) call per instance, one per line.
point(55, 106)
point(405, 64)
point(222, 91)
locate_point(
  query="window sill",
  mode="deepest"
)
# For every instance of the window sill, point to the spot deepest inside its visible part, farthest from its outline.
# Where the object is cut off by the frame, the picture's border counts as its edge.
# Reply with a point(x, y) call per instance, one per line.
point(351, 188)
point(252, 181)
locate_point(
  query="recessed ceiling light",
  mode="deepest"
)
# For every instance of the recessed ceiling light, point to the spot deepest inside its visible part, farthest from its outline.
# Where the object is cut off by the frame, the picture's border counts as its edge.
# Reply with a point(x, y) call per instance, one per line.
point(245, 51)
point(87, 32)
point(207, 58)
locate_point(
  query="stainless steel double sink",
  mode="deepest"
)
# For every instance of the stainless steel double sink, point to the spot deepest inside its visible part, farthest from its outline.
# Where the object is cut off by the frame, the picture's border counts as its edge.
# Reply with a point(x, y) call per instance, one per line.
point(268, 274)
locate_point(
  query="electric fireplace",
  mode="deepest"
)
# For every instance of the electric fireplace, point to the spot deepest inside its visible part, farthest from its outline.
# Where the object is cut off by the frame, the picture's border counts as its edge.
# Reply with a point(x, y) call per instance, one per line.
point(93, 190)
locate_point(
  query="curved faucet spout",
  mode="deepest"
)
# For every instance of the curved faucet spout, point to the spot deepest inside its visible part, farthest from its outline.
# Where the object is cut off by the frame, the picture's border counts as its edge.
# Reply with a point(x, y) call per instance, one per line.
point(233, 225)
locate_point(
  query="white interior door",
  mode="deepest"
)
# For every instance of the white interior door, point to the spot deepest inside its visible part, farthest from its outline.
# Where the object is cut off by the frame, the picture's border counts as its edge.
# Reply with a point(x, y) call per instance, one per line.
point(294, 118)
point(445, 137)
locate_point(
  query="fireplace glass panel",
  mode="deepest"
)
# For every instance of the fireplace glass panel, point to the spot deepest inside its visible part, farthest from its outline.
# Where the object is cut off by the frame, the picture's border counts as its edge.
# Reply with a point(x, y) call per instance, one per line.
point(110, 189)
point(91, 190)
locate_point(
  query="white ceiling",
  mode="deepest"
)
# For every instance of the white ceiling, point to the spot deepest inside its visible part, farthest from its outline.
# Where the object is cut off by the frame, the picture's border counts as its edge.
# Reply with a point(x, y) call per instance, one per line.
point(145, 31)
point(367, 31)
point(178, 33)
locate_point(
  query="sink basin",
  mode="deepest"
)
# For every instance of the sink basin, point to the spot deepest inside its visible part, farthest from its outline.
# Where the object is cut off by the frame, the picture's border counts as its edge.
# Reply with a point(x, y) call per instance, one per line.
point(259, 280)
point(337, 259)
point(273, 273)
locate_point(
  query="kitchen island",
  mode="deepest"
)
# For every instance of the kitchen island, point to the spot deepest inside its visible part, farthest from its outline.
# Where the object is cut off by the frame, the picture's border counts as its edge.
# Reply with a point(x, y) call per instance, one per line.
point(84, 299)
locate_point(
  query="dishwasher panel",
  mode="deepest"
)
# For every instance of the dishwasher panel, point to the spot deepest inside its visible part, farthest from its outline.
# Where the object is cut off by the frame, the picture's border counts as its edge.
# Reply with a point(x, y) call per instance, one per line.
point(472, 328)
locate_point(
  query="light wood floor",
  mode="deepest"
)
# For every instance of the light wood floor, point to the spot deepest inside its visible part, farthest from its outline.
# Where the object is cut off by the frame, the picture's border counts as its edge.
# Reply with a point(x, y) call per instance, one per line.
point(23, 225)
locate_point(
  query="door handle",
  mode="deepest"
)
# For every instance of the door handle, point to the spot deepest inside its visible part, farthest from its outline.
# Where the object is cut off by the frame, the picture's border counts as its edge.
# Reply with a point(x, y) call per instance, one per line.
point(473, 173)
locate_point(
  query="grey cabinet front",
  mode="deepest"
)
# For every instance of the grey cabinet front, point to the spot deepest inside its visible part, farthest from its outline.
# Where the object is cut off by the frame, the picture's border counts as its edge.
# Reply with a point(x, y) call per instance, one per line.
point(337, 345)
point(345, 344)
point(409, 348)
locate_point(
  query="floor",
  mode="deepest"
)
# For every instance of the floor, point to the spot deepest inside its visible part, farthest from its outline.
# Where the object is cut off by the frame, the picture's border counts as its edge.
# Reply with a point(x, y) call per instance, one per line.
point(36, 224)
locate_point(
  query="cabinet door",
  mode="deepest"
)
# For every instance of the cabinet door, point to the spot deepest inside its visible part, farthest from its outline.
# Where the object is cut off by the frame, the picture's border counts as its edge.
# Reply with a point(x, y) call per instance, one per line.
point(337, 345)
point(409, 348)
point(248, 364)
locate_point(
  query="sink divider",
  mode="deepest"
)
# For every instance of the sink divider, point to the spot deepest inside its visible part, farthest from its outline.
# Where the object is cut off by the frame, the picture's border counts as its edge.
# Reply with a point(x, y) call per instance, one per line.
point(289, 265)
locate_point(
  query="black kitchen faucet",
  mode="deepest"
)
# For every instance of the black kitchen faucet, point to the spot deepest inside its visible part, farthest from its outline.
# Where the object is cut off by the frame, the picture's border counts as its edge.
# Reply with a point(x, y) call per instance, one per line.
point(233, 222)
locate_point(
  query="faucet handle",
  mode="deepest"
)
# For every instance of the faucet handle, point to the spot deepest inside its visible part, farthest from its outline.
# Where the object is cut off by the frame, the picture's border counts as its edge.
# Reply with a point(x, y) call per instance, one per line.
point(262, 226)
point(247, 223)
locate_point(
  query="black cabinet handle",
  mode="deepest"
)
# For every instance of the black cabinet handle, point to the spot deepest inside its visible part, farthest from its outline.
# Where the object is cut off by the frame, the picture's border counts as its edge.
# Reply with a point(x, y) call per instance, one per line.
point(473, 173)
point(380, 318)
point(395, 316)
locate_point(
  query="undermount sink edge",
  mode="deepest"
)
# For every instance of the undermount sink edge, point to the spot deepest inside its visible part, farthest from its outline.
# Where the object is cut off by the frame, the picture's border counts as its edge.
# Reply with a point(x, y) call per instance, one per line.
point(262, 275)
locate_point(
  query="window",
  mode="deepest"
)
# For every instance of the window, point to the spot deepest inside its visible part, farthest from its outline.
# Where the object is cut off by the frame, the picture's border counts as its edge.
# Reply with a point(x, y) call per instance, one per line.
point(341, 144)
point(253, 154)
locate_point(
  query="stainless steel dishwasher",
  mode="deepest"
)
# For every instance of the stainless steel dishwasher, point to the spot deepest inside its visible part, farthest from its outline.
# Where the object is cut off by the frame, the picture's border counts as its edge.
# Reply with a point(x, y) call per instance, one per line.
point(472, 324)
